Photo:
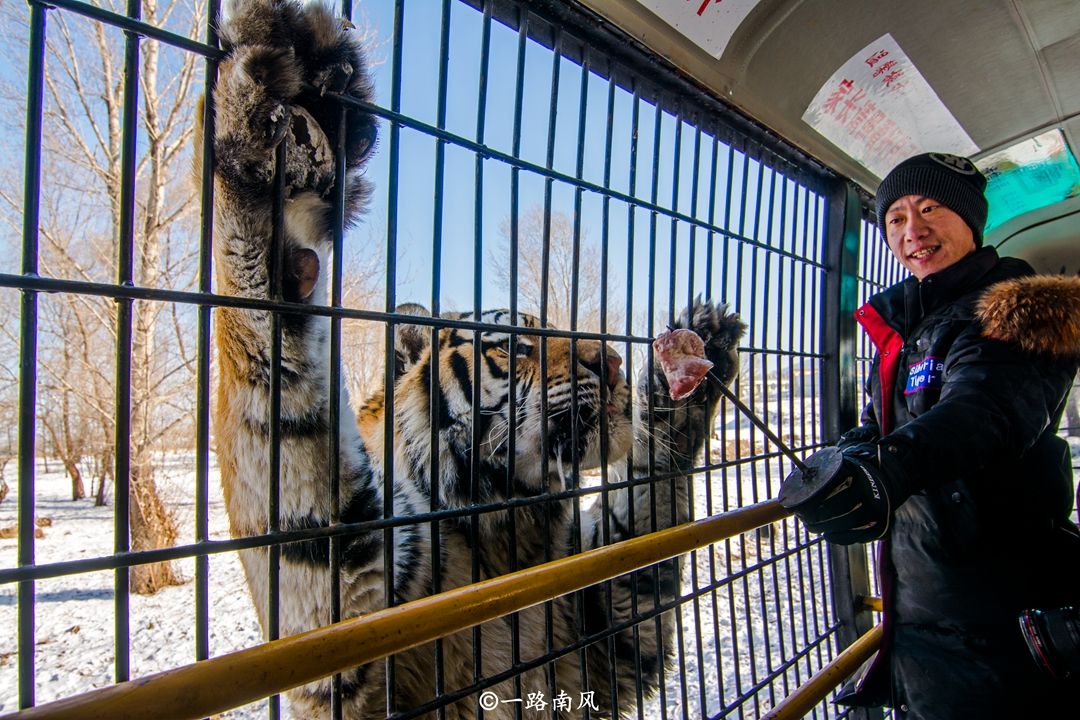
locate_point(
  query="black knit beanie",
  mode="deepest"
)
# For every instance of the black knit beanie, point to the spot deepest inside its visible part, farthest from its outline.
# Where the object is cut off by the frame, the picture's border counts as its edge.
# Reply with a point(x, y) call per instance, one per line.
point(952, 180)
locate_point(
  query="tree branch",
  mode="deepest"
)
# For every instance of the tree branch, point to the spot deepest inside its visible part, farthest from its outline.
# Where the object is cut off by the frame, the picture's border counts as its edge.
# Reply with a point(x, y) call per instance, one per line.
point(76, 79)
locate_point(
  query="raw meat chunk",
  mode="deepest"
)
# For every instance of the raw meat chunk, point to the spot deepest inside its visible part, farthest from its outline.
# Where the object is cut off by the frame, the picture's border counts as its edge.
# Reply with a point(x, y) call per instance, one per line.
point(682, 360)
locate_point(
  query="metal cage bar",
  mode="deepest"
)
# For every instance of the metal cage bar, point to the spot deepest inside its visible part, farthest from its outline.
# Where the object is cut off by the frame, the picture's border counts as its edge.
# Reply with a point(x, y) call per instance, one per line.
point(301, 658)
point(436, 275)
point(745, 226)
point(28, 353)
point(202, 440)
point(124, 319)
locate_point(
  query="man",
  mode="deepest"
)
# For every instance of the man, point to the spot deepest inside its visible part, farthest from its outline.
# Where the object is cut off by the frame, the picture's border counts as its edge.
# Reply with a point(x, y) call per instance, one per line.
point(956, 466)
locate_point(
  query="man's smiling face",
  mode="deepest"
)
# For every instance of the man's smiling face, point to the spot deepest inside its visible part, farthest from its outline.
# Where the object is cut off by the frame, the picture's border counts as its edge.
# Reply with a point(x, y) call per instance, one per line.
point(925, 236)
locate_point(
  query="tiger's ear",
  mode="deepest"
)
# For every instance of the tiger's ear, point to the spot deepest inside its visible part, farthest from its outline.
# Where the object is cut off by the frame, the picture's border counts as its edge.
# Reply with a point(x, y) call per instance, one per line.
point(410, 341)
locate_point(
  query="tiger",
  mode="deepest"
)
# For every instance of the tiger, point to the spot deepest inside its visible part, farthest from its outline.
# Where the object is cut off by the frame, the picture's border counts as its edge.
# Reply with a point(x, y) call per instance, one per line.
point(491, 421)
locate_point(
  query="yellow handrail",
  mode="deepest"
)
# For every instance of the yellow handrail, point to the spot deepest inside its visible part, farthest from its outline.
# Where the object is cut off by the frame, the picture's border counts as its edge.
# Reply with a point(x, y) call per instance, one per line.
point(814, 690)
point(218, 684)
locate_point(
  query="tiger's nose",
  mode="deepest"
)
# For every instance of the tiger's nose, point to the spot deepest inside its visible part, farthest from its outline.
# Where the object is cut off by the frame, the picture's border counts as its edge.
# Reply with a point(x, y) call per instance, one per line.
point(596, 361)
point(614, 362)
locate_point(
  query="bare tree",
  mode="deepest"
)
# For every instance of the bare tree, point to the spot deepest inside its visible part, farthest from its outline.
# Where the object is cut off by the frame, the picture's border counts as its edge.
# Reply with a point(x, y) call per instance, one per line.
point(59, 409)
point(556, 234)
point(8, 400)
point(82, 197)
point(363, 343)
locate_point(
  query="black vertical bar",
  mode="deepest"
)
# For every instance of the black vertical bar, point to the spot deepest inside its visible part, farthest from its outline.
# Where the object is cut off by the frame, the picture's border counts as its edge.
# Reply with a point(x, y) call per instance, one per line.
point(810, 276)
point(691, 266)
point(817, 279)
point(673, 239)
point(635, 116)
point(202, 402)
point(477, 354)
point(124, 307)
point(605, 477)
point(781, 216)
point(759, 383)
point(794, 319)
point(654, 197)
point(605, 499)
point(725, 493)
point(28, 350)
point(848, 567)
point(779, 212)
point(711, 219)
point(709, 490)
point(873, 270)
point(820, 281)
point(545, 265)
point(729, 187)
point(873, 266)
point(579, 173)
point(866, 260)
point(759, 332)
point(389, 581)
point(692, 509)
point(334, 409)
point(605, 261)
point(512, 424)
point(436, 291)
point(814, 253)
point(579, 170)
point(740, 247)
point(629, 360)
point(795, 356)
point(824, 551)
point(838, 403)
point(273, 509)
point(673, 250)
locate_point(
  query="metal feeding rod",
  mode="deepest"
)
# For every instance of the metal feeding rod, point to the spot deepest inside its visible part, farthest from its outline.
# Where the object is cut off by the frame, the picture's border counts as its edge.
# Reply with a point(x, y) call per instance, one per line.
point(773, 437)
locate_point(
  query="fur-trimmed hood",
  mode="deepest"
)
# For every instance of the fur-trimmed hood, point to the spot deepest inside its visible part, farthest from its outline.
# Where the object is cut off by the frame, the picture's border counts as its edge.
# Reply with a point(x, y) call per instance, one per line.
point(1041, 313)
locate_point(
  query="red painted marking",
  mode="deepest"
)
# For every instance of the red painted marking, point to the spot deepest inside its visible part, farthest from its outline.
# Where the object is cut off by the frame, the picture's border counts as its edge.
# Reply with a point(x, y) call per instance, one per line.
point(829, 106)
point(884, 67)
point(892, 77)
point(850, 104)
point(876, 57)
point(704, 5)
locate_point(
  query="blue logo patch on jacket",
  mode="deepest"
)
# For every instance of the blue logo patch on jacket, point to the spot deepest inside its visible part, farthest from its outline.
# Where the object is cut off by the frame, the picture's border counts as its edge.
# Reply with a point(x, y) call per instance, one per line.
point(924, 375)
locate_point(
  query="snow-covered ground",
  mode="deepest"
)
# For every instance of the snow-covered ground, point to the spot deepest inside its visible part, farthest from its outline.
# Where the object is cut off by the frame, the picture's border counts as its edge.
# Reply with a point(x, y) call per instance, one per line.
point(74, 626)
point(74, 615)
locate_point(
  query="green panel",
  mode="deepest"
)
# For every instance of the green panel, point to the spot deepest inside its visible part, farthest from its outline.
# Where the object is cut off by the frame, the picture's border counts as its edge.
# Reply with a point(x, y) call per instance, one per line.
point(1032, 174)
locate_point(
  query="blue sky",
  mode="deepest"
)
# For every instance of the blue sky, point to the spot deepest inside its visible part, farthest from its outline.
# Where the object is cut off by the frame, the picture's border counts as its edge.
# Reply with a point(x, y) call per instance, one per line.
point(461, 226)
point(417, 181)
point(736, 278)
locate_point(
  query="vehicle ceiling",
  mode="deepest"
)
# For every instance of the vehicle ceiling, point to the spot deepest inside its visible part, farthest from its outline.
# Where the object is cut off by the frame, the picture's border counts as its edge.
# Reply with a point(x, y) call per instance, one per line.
point(1006, 70)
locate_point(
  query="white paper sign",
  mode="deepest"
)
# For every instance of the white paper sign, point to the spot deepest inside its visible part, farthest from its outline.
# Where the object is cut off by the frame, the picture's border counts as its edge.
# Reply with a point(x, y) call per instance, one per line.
point(709, 24)
point(880, 110)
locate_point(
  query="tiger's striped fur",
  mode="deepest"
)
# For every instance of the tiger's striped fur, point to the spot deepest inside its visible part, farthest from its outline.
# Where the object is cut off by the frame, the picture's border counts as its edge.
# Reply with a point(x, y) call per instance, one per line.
point(499, 435)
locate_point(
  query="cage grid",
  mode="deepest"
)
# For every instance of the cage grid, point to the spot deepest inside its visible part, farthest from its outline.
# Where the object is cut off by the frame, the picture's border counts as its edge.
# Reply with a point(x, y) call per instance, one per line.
point(710, 204)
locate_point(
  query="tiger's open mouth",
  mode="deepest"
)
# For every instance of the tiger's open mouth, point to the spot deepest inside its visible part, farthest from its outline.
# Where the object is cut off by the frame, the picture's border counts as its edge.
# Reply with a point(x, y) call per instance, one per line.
point(576, 432)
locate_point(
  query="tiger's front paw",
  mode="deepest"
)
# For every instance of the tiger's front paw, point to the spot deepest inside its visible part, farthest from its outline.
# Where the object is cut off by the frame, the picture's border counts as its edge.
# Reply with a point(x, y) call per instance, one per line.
point(720, 331)
point(252, 95)
point(332, 58)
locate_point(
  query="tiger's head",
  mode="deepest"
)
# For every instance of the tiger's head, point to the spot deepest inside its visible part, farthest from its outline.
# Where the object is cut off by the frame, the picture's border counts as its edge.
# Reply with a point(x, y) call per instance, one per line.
point(544, 402)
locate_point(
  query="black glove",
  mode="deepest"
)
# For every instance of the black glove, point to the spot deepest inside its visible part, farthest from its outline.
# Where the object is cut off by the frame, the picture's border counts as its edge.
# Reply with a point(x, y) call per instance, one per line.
point(843, 495)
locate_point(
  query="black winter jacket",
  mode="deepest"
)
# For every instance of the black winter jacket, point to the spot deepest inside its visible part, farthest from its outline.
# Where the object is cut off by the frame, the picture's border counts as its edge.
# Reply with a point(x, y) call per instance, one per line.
point(973, 367)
